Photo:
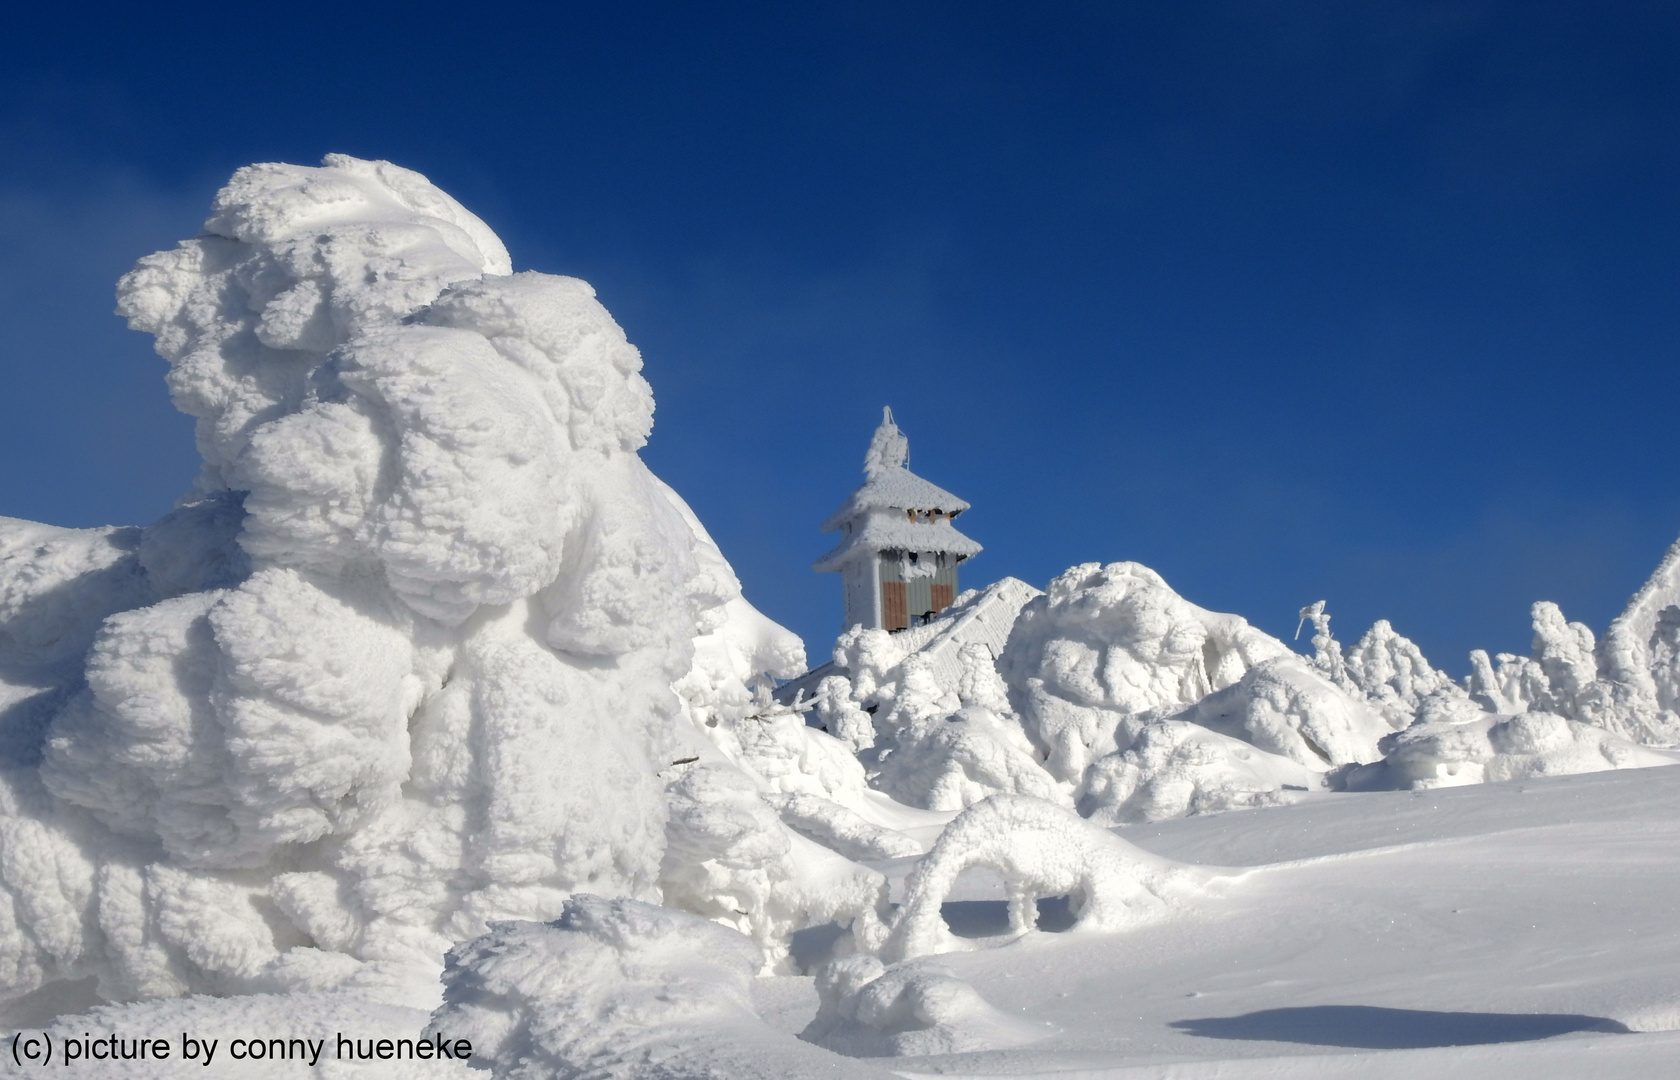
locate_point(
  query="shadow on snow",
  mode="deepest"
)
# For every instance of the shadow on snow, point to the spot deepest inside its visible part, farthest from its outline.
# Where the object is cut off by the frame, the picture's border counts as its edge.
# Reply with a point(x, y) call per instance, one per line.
point(990, 918)
point(1366, 1027)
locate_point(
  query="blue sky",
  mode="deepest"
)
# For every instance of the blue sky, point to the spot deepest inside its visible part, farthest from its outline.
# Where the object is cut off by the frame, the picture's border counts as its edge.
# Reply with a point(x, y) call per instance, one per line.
point(1377, 303)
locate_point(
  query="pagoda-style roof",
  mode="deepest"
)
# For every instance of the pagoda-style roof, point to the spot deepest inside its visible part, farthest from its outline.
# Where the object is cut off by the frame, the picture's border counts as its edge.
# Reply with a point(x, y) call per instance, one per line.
point(894, 509)
point(895, 488)
point(881, 533)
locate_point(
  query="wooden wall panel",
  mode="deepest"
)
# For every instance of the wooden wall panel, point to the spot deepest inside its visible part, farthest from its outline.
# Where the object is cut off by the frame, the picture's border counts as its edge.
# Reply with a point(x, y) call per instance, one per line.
point(894, 611)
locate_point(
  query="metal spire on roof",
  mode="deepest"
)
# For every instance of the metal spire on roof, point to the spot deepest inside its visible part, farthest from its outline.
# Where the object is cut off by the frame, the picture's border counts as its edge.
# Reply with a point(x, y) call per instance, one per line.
point(889, 449)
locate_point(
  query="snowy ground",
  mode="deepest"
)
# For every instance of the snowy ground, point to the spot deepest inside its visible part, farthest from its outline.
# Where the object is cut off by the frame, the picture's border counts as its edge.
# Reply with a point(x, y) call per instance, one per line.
point(1488, 931)
point(1526, 930)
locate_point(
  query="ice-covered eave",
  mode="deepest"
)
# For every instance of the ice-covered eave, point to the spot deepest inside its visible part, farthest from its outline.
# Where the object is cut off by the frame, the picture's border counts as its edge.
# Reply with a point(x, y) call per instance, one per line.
point(882, 532)
point(895, 488)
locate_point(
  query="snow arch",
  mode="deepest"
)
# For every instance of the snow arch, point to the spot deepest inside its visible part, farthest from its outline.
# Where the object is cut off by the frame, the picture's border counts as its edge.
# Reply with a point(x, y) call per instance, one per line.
point(1041, 850)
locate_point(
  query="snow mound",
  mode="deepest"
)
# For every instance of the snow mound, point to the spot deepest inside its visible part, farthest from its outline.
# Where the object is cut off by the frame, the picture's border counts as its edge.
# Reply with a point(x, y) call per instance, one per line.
point(293, 262)
point(1105, 645)
point(1640, 658)
point(1448, 751)
point(913, 1008)
point(1146, 706)
point(619, 989)
point(1174, 768)
point(1287, 708)
point(1041, 850)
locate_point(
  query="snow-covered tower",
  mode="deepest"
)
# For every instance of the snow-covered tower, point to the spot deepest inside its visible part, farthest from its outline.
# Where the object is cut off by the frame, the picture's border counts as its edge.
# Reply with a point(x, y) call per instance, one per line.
point(898, 552)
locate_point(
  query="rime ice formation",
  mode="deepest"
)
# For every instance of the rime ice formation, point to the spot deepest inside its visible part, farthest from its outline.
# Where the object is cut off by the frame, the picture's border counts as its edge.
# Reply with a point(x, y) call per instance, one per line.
point(1111, 694)
point(1108, 693)
point(927, 710)
point(1108, 648)
point(427, 646)
point(1578, 705)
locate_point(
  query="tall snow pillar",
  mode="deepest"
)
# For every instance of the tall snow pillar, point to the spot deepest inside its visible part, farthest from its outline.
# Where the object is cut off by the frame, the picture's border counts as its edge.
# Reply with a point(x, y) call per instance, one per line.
point(898, 551)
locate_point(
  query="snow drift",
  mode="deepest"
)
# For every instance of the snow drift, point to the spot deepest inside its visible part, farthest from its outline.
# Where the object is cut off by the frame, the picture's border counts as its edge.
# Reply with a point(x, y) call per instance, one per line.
point(619, 989)
point(868, 1009)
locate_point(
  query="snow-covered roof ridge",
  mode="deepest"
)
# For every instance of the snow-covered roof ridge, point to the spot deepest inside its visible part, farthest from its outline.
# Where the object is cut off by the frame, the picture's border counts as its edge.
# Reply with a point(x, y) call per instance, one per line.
point(986, 617)
point(888, 482)
point(895, 488)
